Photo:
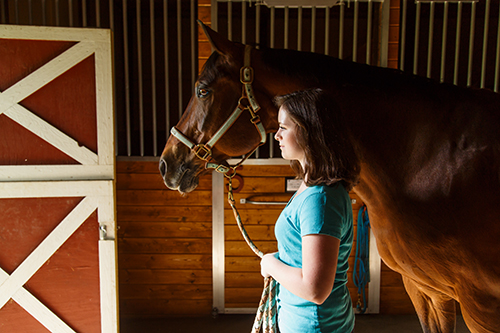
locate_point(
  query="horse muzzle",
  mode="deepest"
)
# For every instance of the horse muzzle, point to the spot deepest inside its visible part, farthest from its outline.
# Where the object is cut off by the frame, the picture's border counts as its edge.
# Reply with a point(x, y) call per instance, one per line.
point(182, 177)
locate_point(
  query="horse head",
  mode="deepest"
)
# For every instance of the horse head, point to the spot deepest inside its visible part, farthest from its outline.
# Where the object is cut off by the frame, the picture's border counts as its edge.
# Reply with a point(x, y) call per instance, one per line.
point(222, 120)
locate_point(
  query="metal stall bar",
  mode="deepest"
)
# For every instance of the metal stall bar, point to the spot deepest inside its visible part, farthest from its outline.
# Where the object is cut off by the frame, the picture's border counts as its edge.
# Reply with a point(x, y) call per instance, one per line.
point(229, 19)
point(153, 73)
point(194, 42)
point(402, 36)
point(497, 60)
point(57, 13)
point(31, 13)
point(287, 20)
point(139, 70)
point(257, 42)
point(127, 78)
point(70, 14)
point(243, 22)
point(3, 17)
point(84, 13)
point(341, 30)
point(485, 42)
point(257, 27)
point(369, 32)
point(313, 29)
point(457, 42)
point(299, 29)
point(384, 34)
point(417, 29)
point(443, 42)
point(327, 30)
point(471, 42)
point(355, 32)
point(431, 36)
point(112, 27)
point(272, 44)
point(98, 13)
point(167, 69)
point(179, 56)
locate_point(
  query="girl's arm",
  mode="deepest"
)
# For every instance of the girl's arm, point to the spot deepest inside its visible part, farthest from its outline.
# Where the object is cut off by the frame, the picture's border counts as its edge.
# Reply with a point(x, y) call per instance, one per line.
point(314, 281)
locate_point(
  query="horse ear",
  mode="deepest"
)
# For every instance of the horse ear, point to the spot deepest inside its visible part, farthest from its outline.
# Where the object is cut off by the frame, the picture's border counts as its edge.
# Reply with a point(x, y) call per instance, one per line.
point(221, 45)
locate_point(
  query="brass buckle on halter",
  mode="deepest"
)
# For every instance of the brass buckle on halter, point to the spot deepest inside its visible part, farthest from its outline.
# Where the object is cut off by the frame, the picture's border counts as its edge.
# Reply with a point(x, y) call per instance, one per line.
point(200, 149)
point(246, 75)
point(222, 169)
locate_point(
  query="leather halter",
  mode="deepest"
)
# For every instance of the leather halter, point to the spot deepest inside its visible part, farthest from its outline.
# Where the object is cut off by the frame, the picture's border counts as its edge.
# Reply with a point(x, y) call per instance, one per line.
point(204, 151)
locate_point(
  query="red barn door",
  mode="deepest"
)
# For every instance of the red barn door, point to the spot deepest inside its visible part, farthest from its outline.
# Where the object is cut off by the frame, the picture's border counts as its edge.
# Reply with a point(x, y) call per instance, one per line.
point(57, 211)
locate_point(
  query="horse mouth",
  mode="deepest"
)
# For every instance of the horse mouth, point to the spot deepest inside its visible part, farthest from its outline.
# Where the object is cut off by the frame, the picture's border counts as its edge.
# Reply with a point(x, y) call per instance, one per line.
point(187, 182)
point(184, 180)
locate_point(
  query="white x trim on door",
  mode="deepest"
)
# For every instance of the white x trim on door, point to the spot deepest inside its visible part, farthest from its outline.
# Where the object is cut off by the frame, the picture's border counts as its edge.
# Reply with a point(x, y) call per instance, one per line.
point(93, 166)
point(96, 195)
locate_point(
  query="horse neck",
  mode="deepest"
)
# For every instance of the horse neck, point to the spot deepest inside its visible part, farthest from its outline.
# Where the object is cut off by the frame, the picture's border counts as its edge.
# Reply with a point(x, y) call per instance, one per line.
point(372, 120)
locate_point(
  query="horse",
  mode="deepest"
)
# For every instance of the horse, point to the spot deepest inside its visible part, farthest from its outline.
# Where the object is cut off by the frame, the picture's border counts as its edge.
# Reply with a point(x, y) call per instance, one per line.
point(429, 153)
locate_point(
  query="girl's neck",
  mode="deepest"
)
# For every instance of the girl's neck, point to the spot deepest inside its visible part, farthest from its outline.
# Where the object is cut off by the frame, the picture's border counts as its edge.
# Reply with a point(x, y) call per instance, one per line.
point(301, 189)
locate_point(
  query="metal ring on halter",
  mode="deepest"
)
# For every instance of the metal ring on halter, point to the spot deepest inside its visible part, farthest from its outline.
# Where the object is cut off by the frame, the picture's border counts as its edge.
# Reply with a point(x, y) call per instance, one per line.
point(206, 150)
point(244, 106)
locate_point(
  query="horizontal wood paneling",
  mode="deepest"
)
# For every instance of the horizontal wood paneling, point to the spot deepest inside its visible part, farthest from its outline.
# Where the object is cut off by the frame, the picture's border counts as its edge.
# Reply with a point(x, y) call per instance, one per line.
point(147, 197)
point(144, 308)
point(164, 214)
point(164, 244)
point(165, 229)
point(165, 276)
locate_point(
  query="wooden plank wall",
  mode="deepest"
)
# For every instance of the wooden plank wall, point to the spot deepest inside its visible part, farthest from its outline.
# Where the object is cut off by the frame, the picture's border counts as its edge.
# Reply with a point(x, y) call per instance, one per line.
point(164, 244)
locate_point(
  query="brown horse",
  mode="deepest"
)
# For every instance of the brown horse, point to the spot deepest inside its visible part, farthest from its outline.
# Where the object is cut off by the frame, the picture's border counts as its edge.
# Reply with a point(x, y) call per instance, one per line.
point(430, 172)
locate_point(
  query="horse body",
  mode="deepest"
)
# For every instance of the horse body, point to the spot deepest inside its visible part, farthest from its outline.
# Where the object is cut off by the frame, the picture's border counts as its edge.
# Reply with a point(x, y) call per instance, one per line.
point(430, 172)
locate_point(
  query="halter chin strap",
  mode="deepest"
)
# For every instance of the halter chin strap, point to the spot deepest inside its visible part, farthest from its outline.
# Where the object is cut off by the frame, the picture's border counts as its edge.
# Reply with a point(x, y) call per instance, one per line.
point(204, 151)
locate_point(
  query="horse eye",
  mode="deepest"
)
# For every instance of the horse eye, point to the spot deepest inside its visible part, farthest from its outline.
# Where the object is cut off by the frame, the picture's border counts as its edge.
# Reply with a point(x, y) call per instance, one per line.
point(202, 92)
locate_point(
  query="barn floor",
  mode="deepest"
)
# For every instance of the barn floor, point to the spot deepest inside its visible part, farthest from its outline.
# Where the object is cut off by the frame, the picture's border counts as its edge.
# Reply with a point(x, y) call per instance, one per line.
point(243, 324)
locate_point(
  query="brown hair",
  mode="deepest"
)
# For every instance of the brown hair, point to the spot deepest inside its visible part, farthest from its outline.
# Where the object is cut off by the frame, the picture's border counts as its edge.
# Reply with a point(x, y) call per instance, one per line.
point(329, 154)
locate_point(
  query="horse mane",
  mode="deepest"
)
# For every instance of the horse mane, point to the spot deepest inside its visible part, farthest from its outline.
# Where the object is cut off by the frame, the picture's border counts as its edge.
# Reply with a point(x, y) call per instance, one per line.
point(321, 69)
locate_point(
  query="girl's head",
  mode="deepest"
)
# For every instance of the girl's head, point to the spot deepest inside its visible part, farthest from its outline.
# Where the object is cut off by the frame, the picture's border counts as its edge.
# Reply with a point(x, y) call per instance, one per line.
point(320, 135)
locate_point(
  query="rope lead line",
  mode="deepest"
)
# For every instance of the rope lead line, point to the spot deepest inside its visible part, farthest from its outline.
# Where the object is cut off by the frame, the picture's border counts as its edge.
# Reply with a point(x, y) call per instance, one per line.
point(361, 274)
point(266, 313)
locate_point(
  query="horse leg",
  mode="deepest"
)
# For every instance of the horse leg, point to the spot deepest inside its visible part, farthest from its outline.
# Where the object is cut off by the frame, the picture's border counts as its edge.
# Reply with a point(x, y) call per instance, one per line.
point(436, 311)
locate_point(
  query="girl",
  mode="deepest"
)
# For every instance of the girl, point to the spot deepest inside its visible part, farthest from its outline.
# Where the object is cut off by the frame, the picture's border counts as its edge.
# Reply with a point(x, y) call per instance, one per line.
point(315, 230)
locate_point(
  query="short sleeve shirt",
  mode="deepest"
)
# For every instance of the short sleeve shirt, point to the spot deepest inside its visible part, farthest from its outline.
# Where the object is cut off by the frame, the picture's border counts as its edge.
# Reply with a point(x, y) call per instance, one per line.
point(317, 210)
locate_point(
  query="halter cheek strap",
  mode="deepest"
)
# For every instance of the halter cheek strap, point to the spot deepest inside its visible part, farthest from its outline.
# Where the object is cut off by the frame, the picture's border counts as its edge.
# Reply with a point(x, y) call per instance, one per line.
point(204, 151)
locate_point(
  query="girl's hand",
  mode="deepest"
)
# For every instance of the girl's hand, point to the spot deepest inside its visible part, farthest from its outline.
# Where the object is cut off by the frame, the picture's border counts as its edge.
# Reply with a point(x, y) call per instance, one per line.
point(266, 263)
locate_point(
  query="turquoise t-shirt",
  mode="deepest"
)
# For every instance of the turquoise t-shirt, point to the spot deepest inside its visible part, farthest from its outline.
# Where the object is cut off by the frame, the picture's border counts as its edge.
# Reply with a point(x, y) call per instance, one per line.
point(317, 210)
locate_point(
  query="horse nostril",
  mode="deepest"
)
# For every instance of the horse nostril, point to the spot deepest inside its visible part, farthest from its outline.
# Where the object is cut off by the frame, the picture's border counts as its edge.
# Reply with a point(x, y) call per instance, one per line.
point(163, 167)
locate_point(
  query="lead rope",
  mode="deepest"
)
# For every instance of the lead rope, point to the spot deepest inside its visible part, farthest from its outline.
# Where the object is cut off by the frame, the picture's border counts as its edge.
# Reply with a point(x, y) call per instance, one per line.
point(266, 313)
point(361, 273)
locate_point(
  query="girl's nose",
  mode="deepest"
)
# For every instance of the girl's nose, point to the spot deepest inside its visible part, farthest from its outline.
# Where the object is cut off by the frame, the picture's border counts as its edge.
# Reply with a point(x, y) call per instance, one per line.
point(276, 137)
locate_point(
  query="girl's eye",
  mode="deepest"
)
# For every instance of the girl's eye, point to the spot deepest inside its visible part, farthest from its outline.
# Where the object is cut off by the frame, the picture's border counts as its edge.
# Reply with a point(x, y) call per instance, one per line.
point(202, 92)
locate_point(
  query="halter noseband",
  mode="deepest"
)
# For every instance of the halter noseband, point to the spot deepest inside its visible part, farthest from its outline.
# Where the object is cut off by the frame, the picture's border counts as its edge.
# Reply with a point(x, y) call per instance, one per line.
point(204, 151)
